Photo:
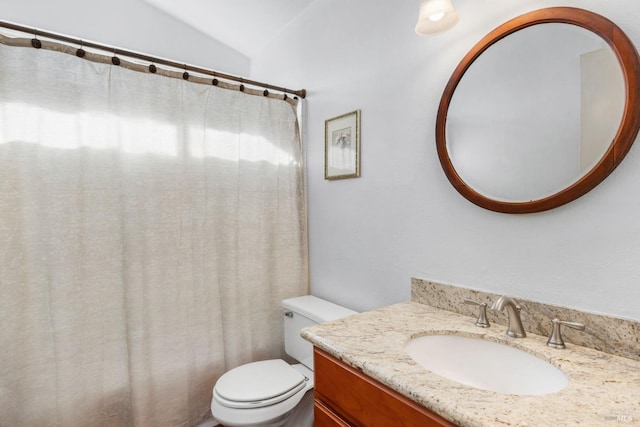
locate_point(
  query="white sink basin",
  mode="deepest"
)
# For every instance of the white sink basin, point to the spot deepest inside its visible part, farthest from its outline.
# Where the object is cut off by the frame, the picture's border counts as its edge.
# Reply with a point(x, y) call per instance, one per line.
point(486, 365)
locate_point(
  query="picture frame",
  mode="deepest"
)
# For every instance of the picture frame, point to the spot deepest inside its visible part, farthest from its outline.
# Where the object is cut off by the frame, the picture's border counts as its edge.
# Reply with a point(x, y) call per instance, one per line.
point(342, 146)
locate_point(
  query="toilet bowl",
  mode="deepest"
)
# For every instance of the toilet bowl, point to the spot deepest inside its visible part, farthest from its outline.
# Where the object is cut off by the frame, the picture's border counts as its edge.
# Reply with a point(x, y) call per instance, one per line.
point(266, 393)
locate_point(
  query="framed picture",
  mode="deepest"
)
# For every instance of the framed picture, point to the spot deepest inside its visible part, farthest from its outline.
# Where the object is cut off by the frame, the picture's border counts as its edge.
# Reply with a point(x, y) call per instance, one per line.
point(342, 146)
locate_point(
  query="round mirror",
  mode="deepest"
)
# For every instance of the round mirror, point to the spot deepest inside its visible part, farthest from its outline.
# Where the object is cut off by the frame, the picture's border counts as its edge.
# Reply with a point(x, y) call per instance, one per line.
point(537, 119)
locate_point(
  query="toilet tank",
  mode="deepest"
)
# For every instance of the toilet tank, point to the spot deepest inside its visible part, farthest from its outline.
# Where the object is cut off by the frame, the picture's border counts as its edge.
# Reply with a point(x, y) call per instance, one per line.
point(300, 312)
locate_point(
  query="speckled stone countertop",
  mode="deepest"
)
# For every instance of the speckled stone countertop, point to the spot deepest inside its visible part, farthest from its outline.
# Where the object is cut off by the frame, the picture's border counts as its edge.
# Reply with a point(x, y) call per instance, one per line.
point(603, 389)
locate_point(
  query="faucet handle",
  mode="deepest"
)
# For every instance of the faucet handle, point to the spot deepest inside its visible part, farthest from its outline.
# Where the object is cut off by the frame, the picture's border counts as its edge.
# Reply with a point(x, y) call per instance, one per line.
point(555, 339)
point(481, 321)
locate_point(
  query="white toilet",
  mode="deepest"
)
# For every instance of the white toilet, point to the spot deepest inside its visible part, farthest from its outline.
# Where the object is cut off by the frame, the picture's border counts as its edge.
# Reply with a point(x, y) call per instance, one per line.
point(267, 393)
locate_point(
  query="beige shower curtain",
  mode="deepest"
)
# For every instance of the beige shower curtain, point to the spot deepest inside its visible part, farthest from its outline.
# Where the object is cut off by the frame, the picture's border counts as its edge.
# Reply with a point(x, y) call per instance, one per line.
point(149, 228)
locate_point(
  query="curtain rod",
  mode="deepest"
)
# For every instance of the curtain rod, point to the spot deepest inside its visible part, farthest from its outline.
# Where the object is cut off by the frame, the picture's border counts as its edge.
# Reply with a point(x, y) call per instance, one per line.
point(302, 93)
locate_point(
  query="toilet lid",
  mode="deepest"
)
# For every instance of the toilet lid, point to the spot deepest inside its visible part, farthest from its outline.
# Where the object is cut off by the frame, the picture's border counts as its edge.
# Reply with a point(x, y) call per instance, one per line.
point(259, 384)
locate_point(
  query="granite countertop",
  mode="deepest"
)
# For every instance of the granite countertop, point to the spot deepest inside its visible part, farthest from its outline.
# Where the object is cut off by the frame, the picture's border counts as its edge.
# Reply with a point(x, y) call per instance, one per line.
point(603, 389)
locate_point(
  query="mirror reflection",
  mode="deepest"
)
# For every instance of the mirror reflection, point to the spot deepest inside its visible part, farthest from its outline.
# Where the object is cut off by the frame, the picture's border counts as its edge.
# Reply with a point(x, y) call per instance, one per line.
point(535, 112)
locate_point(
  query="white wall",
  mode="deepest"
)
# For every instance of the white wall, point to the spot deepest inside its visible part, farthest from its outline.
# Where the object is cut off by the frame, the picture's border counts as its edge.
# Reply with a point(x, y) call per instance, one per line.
point(127, 24)
point(402, 218)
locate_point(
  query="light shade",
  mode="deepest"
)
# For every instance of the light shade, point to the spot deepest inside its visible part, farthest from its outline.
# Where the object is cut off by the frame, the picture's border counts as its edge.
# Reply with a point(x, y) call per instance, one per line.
point(435, 16)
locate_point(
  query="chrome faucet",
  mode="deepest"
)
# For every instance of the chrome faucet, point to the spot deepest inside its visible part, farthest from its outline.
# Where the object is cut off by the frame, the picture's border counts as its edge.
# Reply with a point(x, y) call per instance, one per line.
point(514, 328)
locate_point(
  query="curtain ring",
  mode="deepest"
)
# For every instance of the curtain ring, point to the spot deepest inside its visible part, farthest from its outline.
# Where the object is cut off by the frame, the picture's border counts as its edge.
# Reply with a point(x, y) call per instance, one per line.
point(185, 75)
point(152, 68)
point(215, 80)
point(114, 59)
point(80, 53)
point(34, 41)
point(285, 97)
point(266, 92)
point(241, 85)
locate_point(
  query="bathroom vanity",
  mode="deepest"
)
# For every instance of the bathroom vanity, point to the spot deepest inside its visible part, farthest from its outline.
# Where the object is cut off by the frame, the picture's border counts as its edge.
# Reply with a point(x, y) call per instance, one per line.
point(363, 374)
point(346, 397)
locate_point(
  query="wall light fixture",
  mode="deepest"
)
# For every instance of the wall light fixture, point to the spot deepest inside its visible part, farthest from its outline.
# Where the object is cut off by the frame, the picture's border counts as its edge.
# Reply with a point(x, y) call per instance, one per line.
point(436, 16)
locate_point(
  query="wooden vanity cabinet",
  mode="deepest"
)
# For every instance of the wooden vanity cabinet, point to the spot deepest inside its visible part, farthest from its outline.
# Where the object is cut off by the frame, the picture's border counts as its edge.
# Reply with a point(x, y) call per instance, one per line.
point(345, 397)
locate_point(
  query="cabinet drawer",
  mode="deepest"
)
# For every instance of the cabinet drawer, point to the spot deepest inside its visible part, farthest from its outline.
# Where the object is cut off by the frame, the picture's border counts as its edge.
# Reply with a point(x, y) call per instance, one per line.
point(325, 417)
point(362, 401)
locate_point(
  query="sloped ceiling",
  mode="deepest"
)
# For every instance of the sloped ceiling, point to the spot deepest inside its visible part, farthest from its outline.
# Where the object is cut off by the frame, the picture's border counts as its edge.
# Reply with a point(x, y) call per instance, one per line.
point(244, 25)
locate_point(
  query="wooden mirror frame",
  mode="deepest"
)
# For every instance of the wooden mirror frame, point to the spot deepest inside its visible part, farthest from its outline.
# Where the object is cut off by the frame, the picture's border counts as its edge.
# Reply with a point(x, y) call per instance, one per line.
point(629, 61)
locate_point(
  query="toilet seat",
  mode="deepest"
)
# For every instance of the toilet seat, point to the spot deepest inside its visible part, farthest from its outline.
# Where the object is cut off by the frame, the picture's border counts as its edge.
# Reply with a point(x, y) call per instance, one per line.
point(239, 410)
point(258, 384)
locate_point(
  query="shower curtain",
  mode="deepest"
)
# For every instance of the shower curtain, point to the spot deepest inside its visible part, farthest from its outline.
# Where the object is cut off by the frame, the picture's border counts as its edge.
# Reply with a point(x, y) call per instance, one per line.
point(149, 228)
